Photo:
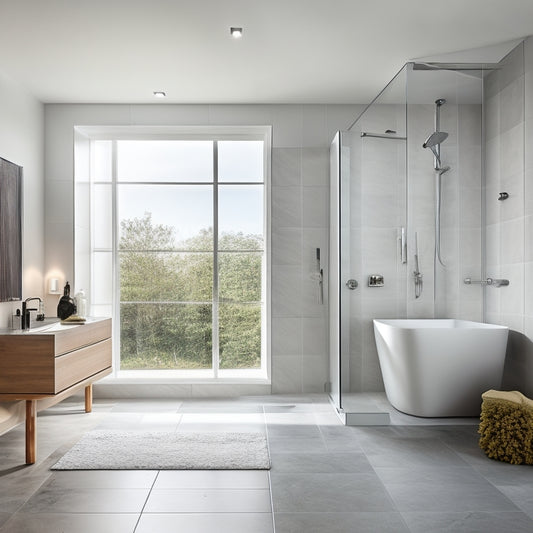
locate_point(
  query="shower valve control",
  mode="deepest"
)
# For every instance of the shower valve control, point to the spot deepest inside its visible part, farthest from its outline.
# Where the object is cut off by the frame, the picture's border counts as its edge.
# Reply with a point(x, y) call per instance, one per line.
point(352, 284)
point(376, 280)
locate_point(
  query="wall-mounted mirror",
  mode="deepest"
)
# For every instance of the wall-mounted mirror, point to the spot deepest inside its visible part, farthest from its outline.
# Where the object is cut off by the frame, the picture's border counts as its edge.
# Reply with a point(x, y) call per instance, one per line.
point(10, 231)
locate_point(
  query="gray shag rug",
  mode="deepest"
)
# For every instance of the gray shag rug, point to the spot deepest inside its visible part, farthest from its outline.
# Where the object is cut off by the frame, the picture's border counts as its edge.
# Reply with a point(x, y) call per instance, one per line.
point(129, 450)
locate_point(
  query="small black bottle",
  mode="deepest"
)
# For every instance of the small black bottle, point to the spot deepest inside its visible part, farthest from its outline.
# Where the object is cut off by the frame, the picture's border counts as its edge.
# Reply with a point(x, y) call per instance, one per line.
point(66, 306)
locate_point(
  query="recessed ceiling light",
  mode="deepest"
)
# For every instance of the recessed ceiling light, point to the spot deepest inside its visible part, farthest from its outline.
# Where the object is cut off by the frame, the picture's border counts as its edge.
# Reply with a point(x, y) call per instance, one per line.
point(236, 33)
point(160, 94)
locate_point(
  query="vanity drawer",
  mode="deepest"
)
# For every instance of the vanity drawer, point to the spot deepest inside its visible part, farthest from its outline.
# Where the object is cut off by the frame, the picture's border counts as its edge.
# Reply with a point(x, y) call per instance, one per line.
point(78, 336)
point(76, 366)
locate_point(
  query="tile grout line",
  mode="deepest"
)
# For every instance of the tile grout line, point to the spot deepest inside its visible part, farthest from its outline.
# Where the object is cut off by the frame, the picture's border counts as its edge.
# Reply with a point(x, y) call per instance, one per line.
point(146, 501)
point(269, 478)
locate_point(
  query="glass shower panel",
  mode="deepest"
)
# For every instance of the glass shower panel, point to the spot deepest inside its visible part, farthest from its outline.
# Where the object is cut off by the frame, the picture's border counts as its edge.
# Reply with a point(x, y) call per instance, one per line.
point(367, 239)
point(343, 284)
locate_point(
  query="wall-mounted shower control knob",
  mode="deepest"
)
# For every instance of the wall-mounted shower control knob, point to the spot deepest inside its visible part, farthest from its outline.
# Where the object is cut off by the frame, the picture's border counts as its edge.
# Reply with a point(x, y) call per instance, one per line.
point(376, 280)
point(352, 284)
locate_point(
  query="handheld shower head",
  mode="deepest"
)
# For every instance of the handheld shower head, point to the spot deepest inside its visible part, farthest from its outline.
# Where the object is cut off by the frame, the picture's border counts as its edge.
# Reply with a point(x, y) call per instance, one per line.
point(433, 141)
point(435, 138)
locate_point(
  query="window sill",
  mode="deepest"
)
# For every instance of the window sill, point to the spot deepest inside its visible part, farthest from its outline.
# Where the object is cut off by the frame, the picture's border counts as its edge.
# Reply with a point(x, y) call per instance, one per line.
point(187, 377)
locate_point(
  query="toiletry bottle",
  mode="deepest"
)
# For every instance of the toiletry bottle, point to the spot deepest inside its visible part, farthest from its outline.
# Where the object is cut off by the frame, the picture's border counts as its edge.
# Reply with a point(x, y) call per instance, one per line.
point(66, 306)
point(81, 303)
point(40, 312)
point(16, 322)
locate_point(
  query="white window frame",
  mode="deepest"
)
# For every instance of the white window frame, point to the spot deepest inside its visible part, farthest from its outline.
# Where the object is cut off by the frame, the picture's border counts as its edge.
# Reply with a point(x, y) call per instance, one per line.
point(212, 133)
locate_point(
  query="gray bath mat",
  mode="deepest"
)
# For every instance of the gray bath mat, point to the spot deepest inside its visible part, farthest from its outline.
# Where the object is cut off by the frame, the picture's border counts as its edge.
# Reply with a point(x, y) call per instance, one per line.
point(120, 450)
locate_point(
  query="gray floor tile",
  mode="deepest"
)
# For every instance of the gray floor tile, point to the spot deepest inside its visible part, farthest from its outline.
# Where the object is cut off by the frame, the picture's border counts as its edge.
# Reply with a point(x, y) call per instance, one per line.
point(208, 501)
point(288, 445)
point(206, 523)
point(285, 431)
point(424, 474)
point(520, 495)
point(231, 422)
point(212, 479)
point(71, 523)
point(329, 492)
point(468, 522)
point(101, 479)
point(81, 500)
point(221, 406)
point(4, 517)
point(439, 497)
point(411, 452)
point(339, 523)
point(501, 473)
point(145, 405)
point(306, 463)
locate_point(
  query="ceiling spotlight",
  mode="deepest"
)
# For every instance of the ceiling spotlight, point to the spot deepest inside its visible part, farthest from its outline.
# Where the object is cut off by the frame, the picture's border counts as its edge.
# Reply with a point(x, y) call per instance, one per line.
point(236, 33)
point(160, 94)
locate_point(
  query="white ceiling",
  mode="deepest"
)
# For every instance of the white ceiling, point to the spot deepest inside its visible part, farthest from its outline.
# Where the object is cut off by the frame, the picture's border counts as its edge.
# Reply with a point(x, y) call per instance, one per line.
point(292, 51)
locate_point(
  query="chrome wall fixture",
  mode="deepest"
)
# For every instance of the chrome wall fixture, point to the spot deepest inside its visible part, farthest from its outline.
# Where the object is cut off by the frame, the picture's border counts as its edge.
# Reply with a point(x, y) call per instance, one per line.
point(433, 143)
point(417, 275)
point(320, 278)
point(488, 281)
point(387, 135)
point(376, 280)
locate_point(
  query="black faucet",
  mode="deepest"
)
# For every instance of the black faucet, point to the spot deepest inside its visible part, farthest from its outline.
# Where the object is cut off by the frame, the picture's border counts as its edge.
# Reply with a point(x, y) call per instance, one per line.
point(26, 319)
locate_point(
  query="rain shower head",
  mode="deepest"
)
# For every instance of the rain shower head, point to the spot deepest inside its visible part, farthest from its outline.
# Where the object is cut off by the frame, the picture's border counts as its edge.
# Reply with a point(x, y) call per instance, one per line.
point(435, 138)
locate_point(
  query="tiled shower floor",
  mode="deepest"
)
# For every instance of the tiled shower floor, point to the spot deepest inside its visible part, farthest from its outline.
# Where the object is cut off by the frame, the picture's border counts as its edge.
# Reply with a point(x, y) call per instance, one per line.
point(325, 477)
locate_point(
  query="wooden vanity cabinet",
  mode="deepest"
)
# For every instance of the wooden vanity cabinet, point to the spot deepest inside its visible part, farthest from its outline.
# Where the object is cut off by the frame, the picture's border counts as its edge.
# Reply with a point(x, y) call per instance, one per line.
point(48, 366)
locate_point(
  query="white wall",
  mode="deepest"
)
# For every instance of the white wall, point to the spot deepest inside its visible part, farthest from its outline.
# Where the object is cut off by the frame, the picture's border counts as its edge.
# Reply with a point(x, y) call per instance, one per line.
point(21, 141)
point(300, 168)
point(509, 223)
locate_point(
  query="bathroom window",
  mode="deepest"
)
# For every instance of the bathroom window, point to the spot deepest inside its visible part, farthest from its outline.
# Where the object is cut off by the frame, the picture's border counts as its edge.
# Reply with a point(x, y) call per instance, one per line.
point(179, 242)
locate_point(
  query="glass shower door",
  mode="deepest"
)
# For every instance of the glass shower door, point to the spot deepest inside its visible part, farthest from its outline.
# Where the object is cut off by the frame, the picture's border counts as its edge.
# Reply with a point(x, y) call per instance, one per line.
point(342, 299)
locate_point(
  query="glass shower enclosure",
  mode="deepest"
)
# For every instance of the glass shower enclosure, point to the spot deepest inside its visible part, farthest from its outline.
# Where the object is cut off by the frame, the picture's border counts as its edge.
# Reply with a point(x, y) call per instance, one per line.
point(405, 221)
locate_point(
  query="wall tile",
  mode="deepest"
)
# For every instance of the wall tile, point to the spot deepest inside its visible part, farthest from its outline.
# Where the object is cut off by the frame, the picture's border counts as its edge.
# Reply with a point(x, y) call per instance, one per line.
point(512, 296)
point(286, 291)
point(512, 241)
point(286, 374)
point(287, 126)
point(315, 207)
point(286, 167)
point(286, 336)
point(315, 167)
point(287, 246)
point(512, 66)
point(170, 114)
point(314, 374)
point(512, 104)
point(286, 207)
point(314, 337)
point(512, 152)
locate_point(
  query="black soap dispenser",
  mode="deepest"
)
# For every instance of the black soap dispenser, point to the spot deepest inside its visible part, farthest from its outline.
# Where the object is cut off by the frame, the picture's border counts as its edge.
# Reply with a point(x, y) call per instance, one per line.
point(66, 306)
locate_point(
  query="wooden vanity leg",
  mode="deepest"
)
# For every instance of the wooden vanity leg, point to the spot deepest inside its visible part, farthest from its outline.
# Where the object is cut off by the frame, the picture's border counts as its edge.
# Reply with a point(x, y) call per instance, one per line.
point(88, 398)
point(31, 447)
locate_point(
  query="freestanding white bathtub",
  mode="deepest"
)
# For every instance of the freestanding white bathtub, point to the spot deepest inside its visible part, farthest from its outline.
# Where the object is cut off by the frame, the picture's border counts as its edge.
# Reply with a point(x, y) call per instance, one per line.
point(439, 367)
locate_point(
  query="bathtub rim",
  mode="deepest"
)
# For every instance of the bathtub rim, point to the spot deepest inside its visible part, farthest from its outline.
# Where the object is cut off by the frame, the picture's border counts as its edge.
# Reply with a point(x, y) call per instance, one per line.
point(434, 323)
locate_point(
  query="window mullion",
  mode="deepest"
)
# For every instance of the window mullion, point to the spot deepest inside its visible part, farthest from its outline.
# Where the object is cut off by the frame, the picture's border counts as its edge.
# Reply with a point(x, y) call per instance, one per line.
point(115, 260)
point(215, 335)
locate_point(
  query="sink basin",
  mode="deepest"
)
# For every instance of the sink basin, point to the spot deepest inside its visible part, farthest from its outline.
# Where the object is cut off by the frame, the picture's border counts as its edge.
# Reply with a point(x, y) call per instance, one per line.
point(44, 325)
